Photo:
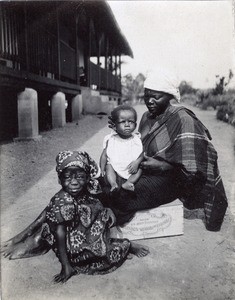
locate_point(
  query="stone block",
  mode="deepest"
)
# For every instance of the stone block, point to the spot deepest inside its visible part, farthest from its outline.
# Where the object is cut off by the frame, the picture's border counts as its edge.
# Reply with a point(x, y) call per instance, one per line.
point(58, 110)
point(77, 107)
point(91, 103)
point(27, 115)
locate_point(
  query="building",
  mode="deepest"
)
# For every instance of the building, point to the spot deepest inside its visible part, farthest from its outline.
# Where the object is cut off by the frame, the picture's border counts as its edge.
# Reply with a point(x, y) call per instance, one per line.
point(58, 58)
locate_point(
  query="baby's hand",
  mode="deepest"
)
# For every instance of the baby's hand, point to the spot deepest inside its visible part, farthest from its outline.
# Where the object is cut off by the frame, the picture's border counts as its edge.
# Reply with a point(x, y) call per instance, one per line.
point(133, 167)
point(66, 272)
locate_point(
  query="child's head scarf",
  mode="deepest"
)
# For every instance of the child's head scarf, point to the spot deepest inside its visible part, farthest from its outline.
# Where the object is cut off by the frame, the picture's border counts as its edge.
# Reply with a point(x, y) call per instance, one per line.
point(163, 81)
point(82, 160)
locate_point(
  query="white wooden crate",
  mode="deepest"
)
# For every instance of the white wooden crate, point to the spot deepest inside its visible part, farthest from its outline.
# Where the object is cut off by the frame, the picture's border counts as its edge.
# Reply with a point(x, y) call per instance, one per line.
point(165, 220)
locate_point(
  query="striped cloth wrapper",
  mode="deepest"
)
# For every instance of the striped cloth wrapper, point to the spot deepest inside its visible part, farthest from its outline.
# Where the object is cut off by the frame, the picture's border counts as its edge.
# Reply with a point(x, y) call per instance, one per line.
point(179, 138)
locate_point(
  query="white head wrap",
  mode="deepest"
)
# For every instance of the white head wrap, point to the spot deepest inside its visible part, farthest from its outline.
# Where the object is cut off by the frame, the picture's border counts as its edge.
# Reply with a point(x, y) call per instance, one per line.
point(163, 81)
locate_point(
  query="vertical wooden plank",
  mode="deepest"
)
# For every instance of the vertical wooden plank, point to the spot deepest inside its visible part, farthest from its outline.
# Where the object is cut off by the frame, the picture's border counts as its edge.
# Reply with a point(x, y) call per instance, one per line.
point(76, 50)
point(13, 38)
point(58, 42)
point(4, 33)
point(106, 62)
point(1, 30)
point(26, 37)
point(98, 60)
point(89, 54)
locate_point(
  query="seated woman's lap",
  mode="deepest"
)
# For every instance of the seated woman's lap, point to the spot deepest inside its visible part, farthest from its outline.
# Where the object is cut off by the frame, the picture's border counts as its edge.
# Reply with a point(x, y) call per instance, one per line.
point(150, 191)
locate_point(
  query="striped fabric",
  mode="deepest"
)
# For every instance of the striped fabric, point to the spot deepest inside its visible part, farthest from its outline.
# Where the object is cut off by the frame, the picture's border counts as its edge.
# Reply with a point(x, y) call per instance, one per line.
point(179, 138)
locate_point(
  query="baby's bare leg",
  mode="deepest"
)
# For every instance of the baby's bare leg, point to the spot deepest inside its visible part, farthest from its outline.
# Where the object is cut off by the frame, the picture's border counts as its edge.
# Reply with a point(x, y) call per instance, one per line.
point(111, 177)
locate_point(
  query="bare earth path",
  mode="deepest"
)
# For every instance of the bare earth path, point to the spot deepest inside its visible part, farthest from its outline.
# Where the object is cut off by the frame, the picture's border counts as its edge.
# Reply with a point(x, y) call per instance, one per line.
point(197, 265)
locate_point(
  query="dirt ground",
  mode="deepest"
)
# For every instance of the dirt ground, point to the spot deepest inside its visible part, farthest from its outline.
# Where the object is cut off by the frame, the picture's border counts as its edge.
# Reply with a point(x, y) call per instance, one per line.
point(196, 265)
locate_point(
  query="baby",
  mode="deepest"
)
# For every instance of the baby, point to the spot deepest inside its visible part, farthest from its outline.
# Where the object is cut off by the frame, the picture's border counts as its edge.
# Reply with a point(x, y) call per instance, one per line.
point(123, 150)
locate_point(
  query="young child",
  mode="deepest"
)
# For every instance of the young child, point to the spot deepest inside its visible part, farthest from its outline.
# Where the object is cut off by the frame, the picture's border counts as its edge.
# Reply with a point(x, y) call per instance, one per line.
point(123, 150)
point(75, 224)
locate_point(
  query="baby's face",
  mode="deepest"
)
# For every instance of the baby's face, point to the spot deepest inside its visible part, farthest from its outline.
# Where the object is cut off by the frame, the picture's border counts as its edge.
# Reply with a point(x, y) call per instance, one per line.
point(73, 180)
point(125, 124)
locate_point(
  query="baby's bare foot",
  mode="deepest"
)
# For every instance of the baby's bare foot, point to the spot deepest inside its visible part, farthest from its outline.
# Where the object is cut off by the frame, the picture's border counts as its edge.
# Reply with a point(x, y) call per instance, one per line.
point(113, 187)
point(128, 186)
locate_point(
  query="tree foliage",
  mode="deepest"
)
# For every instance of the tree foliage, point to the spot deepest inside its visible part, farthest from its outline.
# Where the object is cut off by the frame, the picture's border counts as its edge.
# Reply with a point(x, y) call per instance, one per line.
point(223, 82)
point(133, 88)
point(186, 88)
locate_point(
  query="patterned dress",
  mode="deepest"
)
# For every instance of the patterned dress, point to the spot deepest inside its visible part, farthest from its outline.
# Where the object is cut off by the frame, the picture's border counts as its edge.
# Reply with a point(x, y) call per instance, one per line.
point(87, 233)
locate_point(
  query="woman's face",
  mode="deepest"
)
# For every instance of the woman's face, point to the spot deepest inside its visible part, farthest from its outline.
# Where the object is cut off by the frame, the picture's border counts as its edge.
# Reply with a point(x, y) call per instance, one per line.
point(125, 123)
point(156, 102)
point(73, 180)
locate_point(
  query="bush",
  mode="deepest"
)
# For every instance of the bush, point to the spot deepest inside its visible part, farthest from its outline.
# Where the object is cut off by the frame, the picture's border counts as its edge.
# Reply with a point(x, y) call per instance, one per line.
point(189, 99)
point(226, 111)
point(224, 104)
point(213, 102)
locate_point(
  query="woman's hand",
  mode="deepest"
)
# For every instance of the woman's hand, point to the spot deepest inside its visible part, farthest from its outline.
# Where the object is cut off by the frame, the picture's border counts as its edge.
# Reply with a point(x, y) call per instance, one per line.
point(151, 163)
point(155, 164)
point(66, 272)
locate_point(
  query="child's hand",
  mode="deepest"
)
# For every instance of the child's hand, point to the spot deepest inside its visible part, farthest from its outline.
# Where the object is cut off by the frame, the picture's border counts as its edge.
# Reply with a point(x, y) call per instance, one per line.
point(111, 217)
point(133, 167)
point(66, 272)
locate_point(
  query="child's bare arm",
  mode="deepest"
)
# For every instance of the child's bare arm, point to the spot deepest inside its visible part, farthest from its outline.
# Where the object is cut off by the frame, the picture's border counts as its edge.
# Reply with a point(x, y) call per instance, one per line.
point(140, 158)
point(67, 270)
point(103, 161)
point(134, 165)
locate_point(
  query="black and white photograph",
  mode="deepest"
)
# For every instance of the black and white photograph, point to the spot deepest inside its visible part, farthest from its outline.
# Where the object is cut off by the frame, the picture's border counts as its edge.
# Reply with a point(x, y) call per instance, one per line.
point(117, 150)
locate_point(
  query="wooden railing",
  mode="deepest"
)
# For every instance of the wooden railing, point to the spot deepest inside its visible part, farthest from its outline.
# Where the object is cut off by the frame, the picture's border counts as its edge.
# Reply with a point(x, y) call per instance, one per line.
point(11, 36)
point(43, 53)
point(104, 79)
point(34, 49)
point(30, 48)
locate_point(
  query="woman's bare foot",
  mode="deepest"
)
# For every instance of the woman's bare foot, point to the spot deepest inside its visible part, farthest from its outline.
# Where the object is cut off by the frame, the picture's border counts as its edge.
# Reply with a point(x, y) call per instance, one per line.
point(128, 186)
point(138, 250)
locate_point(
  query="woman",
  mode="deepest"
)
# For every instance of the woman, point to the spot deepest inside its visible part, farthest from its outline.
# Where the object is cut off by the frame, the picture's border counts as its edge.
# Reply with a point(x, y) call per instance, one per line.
point(180, 161)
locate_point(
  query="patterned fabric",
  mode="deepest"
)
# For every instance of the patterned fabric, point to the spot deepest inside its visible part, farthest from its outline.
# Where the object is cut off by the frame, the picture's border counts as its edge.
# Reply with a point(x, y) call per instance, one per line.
point(179, 138)
point(87, 233)
point(82, 160)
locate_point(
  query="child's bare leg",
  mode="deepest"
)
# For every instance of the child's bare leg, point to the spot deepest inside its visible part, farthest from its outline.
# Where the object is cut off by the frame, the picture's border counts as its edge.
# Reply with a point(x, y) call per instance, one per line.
point(111, 177)
point(129, 184)
point(138, 250)
point(18, 247)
